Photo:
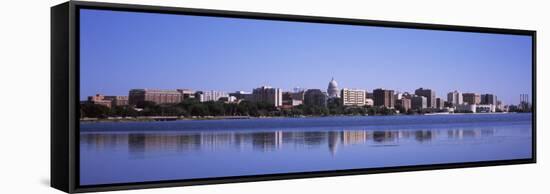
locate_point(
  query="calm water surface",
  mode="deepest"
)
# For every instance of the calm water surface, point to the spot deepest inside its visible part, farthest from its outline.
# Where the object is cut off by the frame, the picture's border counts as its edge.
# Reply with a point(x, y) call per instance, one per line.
point(152, 151)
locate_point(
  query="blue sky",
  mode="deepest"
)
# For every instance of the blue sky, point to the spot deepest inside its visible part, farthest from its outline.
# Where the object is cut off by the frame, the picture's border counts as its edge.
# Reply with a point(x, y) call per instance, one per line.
point(125, 50)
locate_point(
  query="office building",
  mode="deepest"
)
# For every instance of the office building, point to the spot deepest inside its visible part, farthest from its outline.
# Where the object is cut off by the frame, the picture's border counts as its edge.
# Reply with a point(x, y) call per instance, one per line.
point(153, 95)
point(211, 95)
point(186, 93)
point(383, 97)
point(117, 100)
point(404, 103)
point(100, 99)
point(471, 98)
point(489, 99)
point(268, 95)
point(353, 97)
point(454, 98)
point(419, 102)
point(466, 108)
point(485, 108)
point(429, 94)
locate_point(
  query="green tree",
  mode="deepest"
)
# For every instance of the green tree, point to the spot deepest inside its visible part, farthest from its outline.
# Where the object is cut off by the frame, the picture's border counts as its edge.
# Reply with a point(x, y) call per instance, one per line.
point(123, 111)
point(199, 110)
point(215, 108)
point(94, 110)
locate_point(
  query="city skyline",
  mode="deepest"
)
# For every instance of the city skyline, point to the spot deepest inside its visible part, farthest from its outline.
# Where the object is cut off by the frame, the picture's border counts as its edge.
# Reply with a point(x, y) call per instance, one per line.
point(489, 98)
point(122, 51)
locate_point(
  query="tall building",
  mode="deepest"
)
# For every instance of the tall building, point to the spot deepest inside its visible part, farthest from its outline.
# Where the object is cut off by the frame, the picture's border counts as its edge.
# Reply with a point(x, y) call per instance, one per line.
point(471, 98)
point(429, 94)
point(454, 98)
point(269, 95)
point(157, 96)
point(489, 99)
point(404, 103)
point(439, 103)
point(353, 97)
point(332, 90)
point(315, 97)
point(419, 102)
point(384, 98)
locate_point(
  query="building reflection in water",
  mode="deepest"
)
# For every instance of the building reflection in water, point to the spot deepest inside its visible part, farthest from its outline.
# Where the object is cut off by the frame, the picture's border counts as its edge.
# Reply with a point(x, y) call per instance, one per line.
point(267, 140)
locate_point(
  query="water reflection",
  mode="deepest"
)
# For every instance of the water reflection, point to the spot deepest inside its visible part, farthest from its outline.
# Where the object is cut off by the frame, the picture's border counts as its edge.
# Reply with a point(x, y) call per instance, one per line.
point(265, 141)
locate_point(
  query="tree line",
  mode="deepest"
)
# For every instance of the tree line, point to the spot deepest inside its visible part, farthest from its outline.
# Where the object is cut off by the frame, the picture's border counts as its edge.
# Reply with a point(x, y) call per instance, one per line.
point(194, 108)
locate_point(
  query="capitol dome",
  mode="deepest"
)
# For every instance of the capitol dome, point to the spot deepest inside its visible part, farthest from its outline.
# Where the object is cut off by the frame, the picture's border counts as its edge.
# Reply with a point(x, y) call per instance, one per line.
point(333, 90)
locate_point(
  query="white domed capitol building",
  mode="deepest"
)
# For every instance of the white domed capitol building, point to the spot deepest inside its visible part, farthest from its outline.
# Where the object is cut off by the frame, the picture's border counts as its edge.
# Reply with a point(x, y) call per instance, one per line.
point(333, 91)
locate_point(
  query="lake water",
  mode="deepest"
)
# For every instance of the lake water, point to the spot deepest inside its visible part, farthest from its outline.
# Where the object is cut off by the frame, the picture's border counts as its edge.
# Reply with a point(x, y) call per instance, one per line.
point(121, 152)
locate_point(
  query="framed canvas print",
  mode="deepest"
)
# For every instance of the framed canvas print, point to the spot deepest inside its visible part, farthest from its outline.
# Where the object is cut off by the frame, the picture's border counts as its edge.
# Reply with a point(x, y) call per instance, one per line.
point(147, 96)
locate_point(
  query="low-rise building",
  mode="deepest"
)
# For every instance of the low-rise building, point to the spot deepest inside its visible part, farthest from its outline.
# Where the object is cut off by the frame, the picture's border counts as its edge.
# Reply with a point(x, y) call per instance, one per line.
point(154, 95)
point(186, 93)
point(117, 100)
point(211, 95)
point(241, 95)
point(228, 99)
point(100, 99)
point(485, 108)
point(466, 108)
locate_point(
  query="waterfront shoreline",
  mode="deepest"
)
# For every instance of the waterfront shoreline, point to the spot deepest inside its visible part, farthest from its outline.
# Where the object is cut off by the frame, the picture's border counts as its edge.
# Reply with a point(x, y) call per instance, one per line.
point(175, 118)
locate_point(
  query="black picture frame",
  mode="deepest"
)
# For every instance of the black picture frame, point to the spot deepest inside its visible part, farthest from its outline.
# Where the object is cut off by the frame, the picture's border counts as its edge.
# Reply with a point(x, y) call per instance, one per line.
point(65, 94)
